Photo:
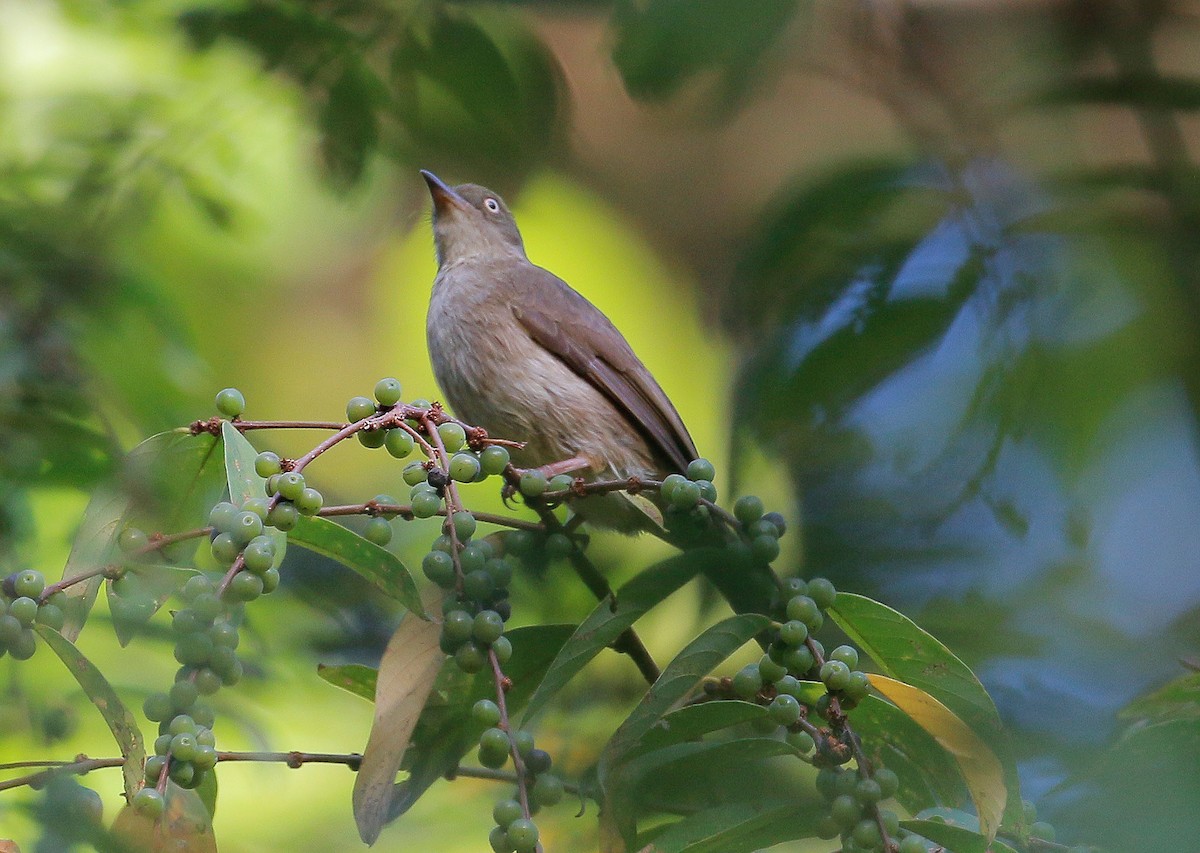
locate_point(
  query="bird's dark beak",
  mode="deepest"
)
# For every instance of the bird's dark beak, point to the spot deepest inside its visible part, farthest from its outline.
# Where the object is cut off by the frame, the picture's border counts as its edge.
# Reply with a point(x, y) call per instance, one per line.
point(444, 198)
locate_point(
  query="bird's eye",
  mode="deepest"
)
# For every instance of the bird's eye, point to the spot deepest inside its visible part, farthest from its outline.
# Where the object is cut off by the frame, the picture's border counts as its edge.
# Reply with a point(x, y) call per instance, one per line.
point(492, 205)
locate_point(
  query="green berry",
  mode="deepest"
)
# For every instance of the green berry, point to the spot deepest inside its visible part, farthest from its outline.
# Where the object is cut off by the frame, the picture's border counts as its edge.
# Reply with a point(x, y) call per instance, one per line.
point(270, 579)
point(154, 768)
point(769, 670)
point(183, 747)
point(804, 609)
point(245, 586)
point(889, 782)
point(230, 402)
point(793, 632)
point(486, 711)
point(158, 707)
point(494, 459)
point(358, 408)
point(868, 792)
point(472, 558)
point(866, 834)
point(225, 548)
point(372, 438)
point(205, 758)
point(267, 463)
point(24, 610)
point(779, 523)
point(858, 686)
point(464, 525)
point(523, 741)
point(846, 654)
point(258, 506)
point(764, 549)
point(802, 741)
point(532, 483)
point(194, 649)
point(246, 526)
point(182, 724)
point(309, 502)
point(488, 627)
point(748, 509)
point(259, 555)
point(464, 467)
point(51, 616)
point(558, 545)
point(547, 790)
point(799, 660)
point(822, 592)
point(291, 485)
point(835, 674)
point(707, 490)
point(478, 585)
point(701, 469)
point(912, 844)
point(748, 682)
point(24, 646)
point(493, 748)
point(207, 681)
point(132, 540)
point(414, 473)
point(784, 710)
point(388, 391)
point(224, 634)
point(457, 626)
point(560, 483)
point(685, 495)
point(438, 566)
point(183, 695)
point(222, 515)
point(378, 530)
point(149, 803)
point(669, 484)
point(538, 761)
point(425, 504)
point(505, 812)
point(399, 443)
point(382, 501)
point(453, 436)
point(501, 570)
point(827, 781)
point(846, 811)
point(523, 835)
point(182, 773)
point(498, 839)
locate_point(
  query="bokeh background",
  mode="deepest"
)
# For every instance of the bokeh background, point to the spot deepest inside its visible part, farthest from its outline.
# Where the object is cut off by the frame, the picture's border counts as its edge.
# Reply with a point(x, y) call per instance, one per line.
point(924, 274)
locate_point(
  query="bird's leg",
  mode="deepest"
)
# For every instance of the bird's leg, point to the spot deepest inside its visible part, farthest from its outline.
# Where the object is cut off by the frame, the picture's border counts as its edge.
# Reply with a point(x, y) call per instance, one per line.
point(564, 466)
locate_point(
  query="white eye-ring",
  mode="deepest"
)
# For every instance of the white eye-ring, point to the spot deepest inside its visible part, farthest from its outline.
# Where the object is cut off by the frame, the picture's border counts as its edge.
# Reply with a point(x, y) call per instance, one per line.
point(492, 205)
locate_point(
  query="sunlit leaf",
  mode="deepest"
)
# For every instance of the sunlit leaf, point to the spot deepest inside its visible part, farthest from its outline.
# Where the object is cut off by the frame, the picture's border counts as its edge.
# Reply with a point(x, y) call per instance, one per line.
point(353, 677)
point(121, 721)
point(980, 767)
point(406, 676)
point(378, 565)
point(605, 623)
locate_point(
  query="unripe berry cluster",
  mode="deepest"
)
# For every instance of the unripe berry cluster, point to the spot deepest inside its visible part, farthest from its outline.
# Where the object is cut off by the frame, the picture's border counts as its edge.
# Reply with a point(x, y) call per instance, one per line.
point(239, 531)
point(21, 607)
point(854, 814)
point(186, 748)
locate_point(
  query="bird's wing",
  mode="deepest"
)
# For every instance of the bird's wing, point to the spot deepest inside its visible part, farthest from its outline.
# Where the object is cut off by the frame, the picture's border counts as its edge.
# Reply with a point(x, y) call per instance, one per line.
point(584, 340)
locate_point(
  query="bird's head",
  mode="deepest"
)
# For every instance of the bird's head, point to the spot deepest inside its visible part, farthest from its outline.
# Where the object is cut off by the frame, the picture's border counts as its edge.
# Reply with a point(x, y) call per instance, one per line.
point(470, 220)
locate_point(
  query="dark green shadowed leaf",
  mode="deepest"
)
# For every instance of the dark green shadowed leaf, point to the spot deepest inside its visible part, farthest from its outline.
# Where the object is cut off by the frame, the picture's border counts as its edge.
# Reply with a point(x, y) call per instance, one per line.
point(352, 677)
point(378, 565)
point(604, 624)
point(732, 828)
point(1139, 91)
point(956, 838)
point(120, 721)
point(909, 654)
point(663, 44)
point(692, 721)
point(446, 731)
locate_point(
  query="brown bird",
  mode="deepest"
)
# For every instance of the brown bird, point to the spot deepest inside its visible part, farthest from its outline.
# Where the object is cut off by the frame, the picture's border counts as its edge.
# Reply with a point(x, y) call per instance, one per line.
point(519, 353)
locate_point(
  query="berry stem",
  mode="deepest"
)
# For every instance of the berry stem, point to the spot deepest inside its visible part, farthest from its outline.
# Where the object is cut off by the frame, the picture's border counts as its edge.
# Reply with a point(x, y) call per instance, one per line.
point(82, 764)
point(518, 763)
point(404, 511)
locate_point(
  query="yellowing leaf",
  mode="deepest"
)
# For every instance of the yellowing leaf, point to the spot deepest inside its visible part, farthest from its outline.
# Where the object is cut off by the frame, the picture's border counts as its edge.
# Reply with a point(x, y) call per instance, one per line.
point(407, 673)
point(980, 767)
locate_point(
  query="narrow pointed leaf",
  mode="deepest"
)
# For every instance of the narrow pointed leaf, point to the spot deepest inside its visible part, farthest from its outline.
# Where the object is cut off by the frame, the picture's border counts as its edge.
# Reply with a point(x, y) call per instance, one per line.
point(352, 677)
point(407, 673)
point(604, 624)
point(121, 721)
point(243, 481)
point(378, 565)
point(95, 547)
point(980, 767)
point(733, 828)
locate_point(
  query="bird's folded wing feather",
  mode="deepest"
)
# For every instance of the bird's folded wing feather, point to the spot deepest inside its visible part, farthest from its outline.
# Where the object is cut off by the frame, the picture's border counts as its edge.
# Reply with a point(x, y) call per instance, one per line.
point(585, 340)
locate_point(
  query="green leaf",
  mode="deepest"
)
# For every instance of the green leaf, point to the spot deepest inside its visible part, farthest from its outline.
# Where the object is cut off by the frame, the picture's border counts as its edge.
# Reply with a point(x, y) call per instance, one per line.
point(407, 673)
point(696, 660)
point(957, 839)
point(186, 825)
point(157, 584)
point(378, 565)
point(174, 479)
point(662, 44)
point(243, 481)
point(95, 546)
point(120, 721)
point(681, 675)
point(909, 654)
point(446, 730)
point(605, 623)
point(731, 828)
point(353, 677)
point(693, 721)
point(1139, 91)
point(674, 760)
